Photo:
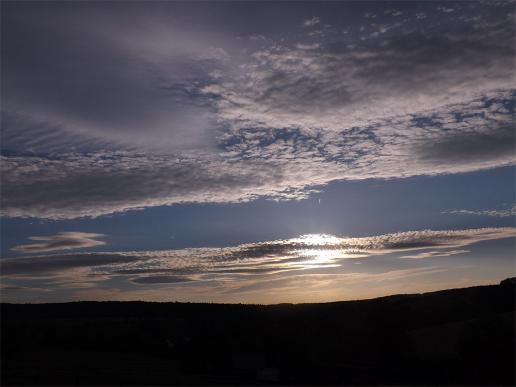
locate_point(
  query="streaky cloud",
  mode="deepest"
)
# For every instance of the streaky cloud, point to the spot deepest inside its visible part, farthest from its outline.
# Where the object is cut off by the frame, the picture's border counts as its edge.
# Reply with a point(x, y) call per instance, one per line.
point(497, 213)
point(61, 241)
point(310, 254)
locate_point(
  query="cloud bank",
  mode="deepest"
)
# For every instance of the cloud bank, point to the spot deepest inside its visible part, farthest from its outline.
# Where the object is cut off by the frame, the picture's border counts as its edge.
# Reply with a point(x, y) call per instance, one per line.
point(281, 164)
point(215, 115)
point(336, 88)
point(245, 267)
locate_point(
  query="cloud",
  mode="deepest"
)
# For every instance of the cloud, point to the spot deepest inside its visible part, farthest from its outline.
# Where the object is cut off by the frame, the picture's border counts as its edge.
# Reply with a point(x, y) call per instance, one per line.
point(471, 146)
point(386, 243)
point(198, 118)
point(311, 22)
point(444, 9)
point(502, 213)
point(335, 88)
point(61, 241)
point(76, 185)
point(53, 264)
point(321, 282)
point(276, 163)
point(432, 254)
point(253, 271)
point(161, 279)
point(128, 84)
point(253, 259)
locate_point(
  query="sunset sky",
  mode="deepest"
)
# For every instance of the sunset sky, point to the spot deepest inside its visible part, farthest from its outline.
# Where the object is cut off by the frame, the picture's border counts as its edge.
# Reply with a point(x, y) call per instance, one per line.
point(255, 151)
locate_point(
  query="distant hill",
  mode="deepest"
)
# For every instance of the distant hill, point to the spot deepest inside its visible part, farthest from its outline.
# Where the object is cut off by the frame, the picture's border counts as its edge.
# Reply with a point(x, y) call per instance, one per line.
point(452, 337)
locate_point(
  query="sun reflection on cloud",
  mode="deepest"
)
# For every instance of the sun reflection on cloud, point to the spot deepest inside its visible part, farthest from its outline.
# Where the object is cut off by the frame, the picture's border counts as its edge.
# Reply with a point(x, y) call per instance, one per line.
point(317, 240)
point(322, 250)
point(253, 267)
point(319, 257)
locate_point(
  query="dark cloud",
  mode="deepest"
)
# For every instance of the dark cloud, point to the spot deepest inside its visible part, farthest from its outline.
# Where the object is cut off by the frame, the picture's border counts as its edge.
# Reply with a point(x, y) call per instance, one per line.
point(335, 86)
point(78, 185)
point(24, 136)
point(52, 264)
point(470, 147)
point(86, 69)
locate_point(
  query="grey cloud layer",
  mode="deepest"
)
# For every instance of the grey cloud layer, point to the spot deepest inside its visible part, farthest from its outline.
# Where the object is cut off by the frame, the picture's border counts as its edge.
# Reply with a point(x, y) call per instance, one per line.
point(386, 69)
point(86, 70)
point(127, 120)
point(94, 184)
point(241, 268)
point(276, 163)
point(337, 88)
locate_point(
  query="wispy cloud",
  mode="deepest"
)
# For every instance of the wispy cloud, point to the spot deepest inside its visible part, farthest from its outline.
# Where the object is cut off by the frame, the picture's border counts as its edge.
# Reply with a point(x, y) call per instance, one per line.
point(498, 213)
point(432, 254)
point(61, 241)
point(136, 88)
point(245, 266)
point(311, 22)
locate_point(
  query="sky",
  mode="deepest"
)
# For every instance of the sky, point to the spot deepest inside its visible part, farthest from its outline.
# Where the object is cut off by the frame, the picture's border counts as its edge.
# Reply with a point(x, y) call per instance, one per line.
point(255, 152)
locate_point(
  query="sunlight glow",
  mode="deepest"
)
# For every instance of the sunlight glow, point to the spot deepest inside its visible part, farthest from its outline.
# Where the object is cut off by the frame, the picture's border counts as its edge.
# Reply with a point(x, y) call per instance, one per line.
point(317, 239)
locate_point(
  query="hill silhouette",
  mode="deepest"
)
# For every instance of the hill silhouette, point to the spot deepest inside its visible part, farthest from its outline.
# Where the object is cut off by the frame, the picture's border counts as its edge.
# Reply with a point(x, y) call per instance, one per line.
point(451, 337)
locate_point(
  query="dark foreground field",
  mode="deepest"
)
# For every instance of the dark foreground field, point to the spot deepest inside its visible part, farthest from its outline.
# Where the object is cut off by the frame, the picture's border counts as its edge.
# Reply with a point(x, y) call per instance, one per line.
point(452, 337)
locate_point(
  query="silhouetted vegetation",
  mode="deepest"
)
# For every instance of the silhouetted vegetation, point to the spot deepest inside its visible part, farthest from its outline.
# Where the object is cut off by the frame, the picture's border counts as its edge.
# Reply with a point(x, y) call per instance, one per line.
point(452, 337)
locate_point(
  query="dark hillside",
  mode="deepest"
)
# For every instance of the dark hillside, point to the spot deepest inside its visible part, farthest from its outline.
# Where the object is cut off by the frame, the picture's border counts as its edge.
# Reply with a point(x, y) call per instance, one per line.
point(452, 337)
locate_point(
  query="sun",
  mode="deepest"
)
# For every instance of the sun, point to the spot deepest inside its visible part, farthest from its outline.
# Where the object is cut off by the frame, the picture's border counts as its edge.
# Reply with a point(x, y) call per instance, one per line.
point(320, 250)
point(318, 240)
